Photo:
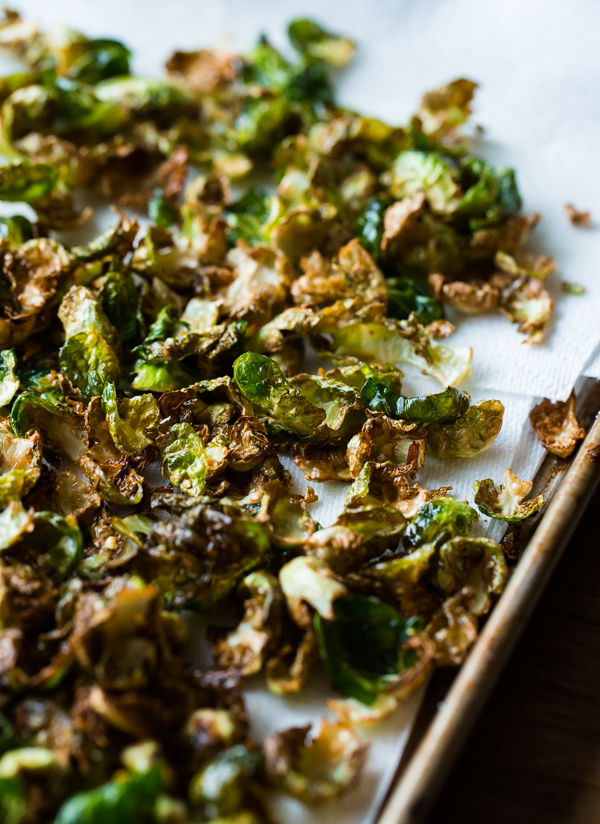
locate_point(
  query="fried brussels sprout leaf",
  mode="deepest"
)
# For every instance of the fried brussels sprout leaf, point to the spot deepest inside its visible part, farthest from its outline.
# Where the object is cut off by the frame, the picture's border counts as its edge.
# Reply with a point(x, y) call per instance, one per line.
point(20, 465)
point(437, 521)
point(250, 643)
point(406, 296)
point(21, 180)
point(88, 360)
point(306, 580)
point(184, 460)
point(130, 420)
point(556, 425)
point(262, 383)
point(61, 539)
point(476, 563)
point(15, 521)
point(87, 357)
point(444, 109)
point(342, 403)
point(438, 408)
point(386, 343)
point(506, 502)
point(314, 42)
point(411, 567)
point(382, 440)
point(368, 648)
point(131, 794)
point(430, 173)
point(9, 383)
point(314, 767)
point(219, 787)
point(526, 301)
point(371, 507)
point(453, 629)
point(120, 301)
point(469, 434)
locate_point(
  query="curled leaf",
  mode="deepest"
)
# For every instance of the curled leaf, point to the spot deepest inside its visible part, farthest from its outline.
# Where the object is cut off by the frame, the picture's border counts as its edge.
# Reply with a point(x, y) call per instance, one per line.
point(469, 434)
point(371, 652)
point(306, 580)
point(9, 383)
point(184, 459)
point(314, 767)
point(556, 425)
point(476, 563)
point(438, 408)
point(506, 502)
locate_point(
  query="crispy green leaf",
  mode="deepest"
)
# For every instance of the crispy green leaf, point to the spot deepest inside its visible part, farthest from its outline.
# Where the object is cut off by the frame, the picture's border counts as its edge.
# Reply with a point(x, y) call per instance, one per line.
point(405, 296)
point(89, 362)
point(468, 435)
point(476, 563)
point(13, 805)
point(362, 647)
point(429, 172)
point(126, 798)
point(60, 539)
point(262, 382)
point(21, 180)
point(52, 417)
point(120, 302)
point(130, 419)
point(438, 408)
point(443, 110)
point(314, 768)
point(313, 41)
point(438, 520)
point(184, 460)
point(369, 226)
point(9, 383)
point(387, 344)
point(14, 523)
point(91, 61)
point(506, 502)
point(17, 229)
point(219, 787)
point(247, 646)
point(161, 210)
point(308, 580)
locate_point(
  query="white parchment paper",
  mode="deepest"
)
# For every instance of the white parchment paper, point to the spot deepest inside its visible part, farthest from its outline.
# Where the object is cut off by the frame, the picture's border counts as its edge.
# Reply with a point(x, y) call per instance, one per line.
point(538, 64)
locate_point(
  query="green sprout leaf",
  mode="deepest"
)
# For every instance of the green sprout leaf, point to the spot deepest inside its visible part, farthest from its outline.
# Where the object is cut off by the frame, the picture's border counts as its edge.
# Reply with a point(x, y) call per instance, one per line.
point(476, 563)
point(262, 382)
point(21, 180)
point(130, 419)
point(469, 434)
point(9, 383)
point(438, 408)
point(362, 647)
point(506, 503)
point(184, 460)
point(128, 797)
point(311, 40)
point(439, 520)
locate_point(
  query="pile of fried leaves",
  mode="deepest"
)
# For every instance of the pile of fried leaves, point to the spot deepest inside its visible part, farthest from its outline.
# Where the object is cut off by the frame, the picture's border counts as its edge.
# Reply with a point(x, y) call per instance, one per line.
point(150, 381)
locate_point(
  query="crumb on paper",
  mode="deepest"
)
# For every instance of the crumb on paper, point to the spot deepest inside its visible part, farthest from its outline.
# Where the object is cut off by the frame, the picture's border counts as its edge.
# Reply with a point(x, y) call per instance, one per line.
point(572, 288)
point(577, 217)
